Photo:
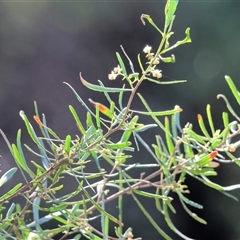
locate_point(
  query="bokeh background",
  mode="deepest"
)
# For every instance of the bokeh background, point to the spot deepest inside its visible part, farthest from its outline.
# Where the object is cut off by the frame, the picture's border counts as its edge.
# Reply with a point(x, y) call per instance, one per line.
point(46, 43)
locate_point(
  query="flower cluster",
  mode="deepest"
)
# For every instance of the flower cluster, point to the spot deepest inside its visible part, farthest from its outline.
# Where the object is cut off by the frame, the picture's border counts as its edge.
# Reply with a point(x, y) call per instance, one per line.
point(153, 60)
point(116, 71)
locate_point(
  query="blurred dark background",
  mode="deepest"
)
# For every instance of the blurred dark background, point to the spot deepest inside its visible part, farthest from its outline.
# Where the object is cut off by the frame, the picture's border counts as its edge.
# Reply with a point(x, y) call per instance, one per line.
point(44, 44)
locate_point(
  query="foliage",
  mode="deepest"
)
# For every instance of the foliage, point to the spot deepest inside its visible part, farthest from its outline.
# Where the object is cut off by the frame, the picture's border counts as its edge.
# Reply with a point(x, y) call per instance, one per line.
point(177, 152)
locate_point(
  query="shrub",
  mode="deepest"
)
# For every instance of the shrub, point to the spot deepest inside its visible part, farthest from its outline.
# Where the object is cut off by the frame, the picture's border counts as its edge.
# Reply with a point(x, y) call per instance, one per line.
point(177, 153)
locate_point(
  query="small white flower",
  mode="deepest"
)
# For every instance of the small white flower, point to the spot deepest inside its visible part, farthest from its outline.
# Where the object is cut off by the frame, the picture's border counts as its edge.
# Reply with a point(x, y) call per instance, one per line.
point(147, 49)
point(149, 56)
point(157, 73)
point(100, 187)
point(112, 76)
point(117, 70)
point(156, 61)
point(33, 236)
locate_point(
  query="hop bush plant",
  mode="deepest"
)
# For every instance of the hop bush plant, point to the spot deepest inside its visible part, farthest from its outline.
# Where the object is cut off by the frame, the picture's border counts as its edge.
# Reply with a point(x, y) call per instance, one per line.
point(177, 153)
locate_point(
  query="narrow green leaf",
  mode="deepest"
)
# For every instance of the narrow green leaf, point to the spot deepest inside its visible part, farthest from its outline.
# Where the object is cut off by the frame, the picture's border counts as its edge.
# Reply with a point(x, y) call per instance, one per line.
point(170, 9)
point(75, 116)
point(188, 149)
point(187, 39)
point(120, 203)
point(40, 168)
point(189, 202)
point(112, 218)
point(224, 134)
point(120, 145)
point(29, 127)
point(151, 195)
point(150, 219)
point(75, 209)
point(134, 75)
point(120, 99)
point(204, 160)
point(210, 173)
point(145, 16)
point(170, 224)
point(90, 235)
point(106, 227)
point(112, 107)
point(229, 107)
point(149, 110)
point(54, 208)
point(105, 93)
point(61, 220)
point(98, 122)
point(7, 175)
point(225, 119)
point(213, 185)
point(215, 143)
point(11, 192)
point(168, 137)
point(158, 114)
point(67, 144)
point(119, 118)
point(21, 154)
point(157, 201)
point(100, 88)
point(18, 158)
point(233, 89)
point(103, 109)
point(140, 62)
point(48, 131)
point(127, 133)
point(10, 210)
point(158, 153)
point(122, 66)
point(168, 59)
point(90, 121)
point(143, 128)
point(58, 173)
point(230, 196)
point(171, 207)
point(165, 82)
point(79, 99)
point(191, 214)
point(195, 136)
point(202, 126)
point(210, 121)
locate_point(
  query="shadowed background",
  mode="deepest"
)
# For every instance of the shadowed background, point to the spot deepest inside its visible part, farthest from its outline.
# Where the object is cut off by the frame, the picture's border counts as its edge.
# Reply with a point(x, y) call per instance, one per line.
point(44, 44)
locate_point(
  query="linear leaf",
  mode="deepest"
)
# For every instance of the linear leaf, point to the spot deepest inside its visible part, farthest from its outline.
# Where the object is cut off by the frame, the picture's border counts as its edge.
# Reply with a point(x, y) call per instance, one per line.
point(11, 192)
point(150, 195)
point(165, 82)
point(202, 125)
point(75, 116)
point(7, 175)
point(158, 114)
point(189, 202)
point(168, 137)
point(112, 218)
point(150, 219)
point(19, 146)
point(191, 214)
point(210, 121)
point(170, 9)
point(101, 88)
point(120, 61)
point(233, 88)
